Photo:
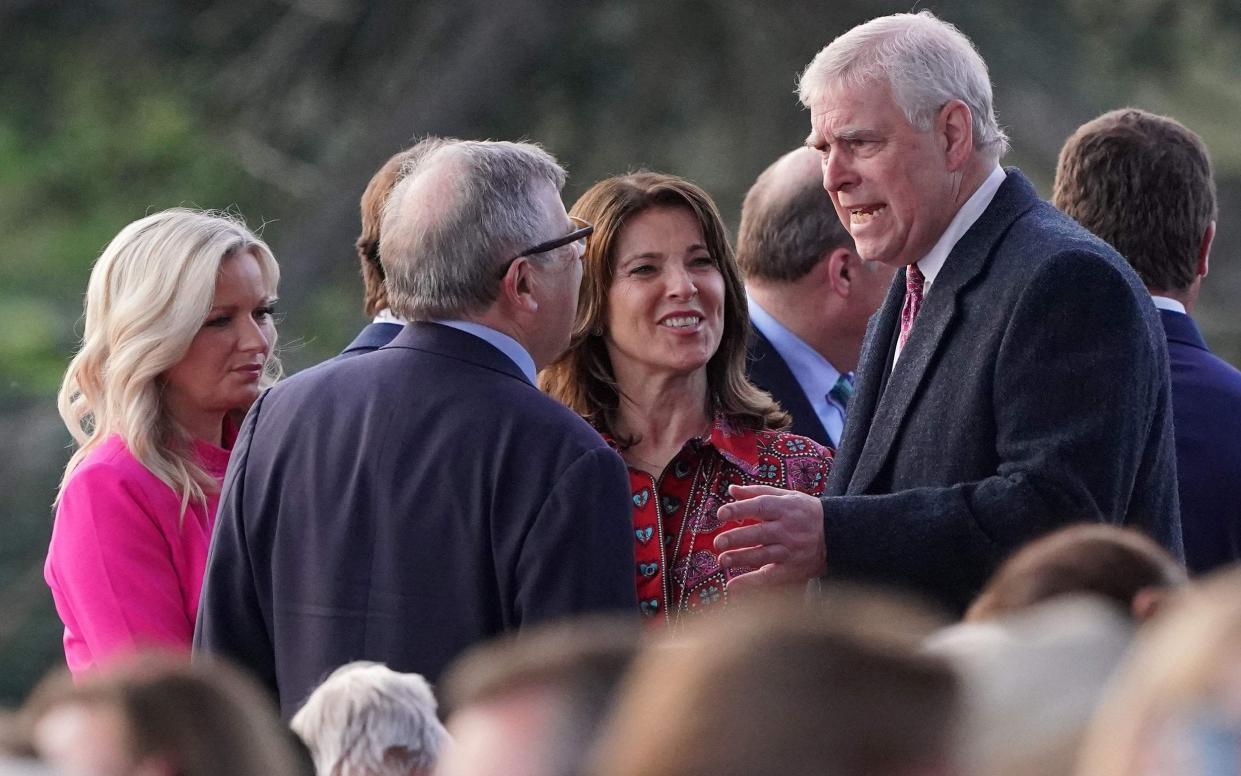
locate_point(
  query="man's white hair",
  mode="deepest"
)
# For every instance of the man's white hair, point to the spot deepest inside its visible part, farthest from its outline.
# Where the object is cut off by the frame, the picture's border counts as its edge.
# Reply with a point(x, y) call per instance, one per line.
point(926, 61)
point(368, 720)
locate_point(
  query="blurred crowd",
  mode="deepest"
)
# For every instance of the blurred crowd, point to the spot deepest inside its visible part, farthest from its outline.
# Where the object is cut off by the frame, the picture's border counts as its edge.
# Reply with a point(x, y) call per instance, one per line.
point(928, 477)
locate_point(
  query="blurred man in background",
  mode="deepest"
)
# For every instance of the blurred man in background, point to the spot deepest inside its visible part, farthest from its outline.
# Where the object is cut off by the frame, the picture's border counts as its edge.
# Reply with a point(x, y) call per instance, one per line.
point(810, 295)
point(384, 323)
point(1144, 183)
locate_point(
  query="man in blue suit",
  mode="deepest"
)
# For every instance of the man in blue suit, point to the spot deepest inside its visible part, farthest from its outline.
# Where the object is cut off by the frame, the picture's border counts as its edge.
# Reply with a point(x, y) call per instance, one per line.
point(1015, 378)
point(1144, 183)
point(809, 295)
point(401, 505)
point(384, 324)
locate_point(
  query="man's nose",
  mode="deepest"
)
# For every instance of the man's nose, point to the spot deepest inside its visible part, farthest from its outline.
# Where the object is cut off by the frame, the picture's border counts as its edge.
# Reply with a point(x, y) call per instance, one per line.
point(838, 173)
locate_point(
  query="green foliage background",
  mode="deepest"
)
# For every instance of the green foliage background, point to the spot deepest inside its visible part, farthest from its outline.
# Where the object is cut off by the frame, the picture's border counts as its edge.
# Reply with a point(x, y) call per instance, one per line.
point(282, 110)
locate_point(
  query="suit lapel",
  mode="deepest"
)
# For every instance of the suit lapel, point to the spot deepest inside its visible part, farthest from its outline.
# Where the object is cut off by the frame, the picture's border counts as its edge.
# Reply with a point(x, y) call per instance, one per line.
point(868, 385)
point(932, 327)
point(771, 373)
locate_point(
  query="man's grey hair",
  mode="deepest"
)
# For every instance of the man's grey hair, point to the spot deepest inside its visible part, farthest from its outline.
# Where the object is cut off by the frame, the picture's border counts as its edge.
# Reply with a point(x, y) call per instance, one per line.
point(926, 61)
point(368, 720)
point(462, 209)
point(788, 221)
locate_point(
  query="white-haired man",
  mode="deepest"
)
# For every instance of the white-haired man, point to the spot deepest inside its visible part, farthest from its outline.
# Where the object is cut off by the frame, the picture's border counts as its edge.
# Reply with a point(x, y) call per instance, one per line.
point(368, 720)
point(1015, 378)
point(353, 526)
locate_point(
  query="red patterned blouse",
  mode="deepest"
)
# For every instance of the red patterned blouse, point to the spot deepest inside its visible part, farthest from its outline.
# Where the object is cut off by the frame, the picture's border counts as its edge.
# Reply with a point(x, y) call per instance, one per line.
point(674, 519)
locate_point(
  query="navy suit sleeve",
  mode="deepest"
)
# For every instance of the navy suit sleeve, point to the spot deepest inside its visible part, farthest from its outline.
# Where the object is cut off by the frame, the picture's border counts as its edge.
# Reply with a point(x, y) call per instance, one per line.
point(578, 555)
point(231, 622)
point(1074, 402)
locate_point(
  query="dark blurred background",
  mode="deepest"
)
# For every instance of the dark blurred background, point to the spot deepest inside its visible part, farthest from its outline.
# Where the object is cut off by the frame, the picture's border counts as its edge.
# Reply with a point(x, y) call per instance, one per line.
point(281, 111)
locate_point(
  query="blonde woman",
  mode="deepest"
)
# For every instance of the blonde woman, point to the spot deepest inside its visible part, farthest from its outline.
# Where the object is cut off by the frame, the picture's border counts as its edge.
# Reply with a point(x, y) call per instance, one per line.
point(177, 345)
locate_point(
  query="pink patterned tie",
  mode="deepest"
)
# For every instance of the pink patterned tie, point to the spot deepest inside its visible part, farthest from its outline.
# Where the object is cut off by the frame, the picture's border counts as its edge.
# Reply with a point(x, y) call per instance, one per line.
point(914, 281)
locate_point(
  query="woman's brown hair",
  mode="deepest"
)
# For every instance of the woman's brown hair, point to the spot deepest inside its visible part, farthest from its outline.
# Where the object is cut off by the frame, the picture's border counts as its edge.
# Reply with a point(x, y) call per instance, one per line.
point(582, 378)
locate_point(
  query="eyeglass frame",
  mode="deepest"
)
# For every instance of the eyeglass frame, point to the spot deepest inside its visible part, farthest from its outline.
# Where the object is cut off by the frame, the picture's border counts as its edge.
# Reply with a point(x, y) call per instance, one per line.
point(585, 229)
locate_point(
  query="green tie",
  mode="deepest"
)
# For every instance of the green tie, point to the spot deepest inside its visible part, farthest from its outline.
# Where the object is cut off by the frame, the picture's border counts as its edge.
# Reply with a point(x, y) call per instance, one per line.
point(841, 392)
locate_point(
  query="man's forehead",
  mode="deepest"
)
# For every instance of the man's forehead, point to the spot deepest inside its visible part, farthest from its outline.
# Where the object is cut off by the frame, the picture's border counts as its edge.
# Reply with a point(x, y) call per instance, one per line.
point(846, 110)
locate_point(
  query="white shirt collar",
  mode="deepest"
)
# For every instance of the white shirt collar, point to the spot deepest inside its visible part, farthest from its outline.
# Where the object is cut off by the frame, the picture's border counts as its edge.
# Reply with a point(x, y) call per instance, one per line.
point(501, 342)
point(973, 208)
point(387, 316)
point(1165, 303)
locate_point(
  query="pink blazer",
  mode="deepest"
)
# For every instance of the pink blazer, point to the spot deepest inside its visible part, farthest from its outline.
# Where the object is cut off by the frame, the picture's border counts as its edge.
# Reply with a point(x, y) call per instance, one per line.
point(124, 569)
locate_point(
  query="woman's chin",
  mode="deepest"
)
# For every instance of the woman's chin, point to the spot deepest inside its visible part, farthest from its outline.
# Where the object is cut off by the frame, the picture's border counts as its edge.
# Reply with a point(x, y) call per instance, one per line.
point(685, 365)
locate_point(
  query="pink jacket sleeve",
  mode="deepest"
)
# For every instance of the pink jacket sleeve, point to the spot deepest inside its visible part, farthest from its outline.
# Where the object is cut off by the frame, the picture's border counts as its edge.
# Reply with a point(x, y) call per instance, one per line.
point(113, 565)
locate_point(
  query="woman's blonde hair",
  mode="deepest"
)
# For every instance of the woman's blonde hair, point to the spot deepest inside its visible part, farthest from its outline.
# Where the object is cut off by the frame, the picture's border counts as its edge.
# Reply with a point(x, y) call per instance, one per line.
point(149, 294)
point(582, 378)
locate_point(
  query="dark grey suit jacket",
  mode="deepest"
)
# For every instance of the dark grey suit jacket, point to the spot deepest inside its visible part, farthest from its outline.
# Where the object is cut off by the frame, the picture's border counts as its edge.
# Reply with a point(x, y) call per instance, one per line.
point(1033, 392)
point(401, 505)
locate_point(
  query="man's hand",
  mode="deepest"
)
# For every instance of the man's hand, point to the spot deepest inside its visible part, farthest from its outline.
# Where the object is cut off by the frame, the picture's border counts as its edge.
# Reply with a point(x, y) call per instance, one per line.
point(786, 546)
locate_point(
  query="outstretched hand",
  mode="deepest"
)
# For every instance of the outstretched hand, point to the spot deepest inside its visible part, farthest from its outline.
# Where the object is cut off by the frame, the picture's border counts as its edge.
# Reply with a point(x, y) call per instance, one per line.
point(786, 546)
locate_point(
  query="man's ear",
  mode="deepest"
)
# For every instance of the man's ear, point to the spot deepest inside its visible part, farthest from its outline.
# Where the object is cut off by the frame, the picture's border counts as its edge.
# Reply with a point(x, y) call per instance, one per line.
point(1204, 250)
point(517, 286)
point(954, 124)
point(1147, 602)
point(842, 268)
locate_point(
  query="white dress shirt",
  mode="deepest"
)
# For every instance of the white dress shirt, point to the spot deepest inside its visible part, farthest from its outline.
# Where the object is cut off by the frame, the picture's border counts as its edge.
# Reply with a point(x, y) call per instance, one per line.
point(1166, 303)
point(387, 316)
point(933, 262)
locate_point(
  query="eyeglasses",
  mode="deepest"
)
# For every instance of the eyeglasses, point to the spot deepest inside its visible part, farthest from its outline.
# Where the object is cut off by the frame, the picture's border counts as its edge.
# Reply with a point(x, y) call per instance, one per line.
point(583, 230)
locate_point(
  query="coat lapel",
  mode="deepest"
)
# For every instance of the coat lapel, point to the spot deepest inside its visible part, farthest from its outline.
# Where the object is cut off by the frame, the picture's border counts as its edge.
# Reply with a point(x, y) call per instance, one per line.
point(933, 325)
point(867, 386)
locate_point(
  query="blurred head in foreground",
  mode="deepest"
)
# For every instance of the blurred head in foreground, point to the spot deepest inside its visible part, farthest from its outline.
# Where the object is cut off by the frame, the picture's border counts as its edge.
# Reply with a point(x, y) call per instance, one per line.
point(532, 703)
point(368, 720)
point(1175, 707)
point(1031, 680)
point(160, 716)
point(1120, 565)
point(774, 688)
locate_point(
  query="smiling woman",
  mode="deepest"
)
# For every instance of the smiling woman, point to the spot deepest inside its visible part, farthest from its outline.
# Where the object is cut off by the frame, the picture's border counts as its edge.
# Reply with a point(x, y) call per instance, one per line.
point(657, 365)
point(177, 345)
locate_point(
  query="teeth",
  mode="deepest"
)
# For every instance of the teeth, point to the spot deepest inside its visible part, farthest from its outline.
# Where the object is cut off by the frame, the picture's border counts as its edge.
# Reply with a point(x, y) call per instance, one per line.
point(862, 215)
point(681, 322)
